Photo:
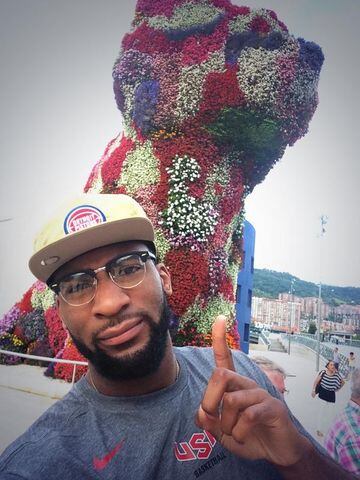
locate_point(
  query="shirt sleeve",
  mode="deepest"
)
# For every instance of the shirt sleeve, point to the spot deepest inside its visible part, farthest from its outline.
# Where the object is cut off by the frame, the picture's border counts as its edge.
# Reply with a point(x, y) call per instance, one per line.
point(348, 456)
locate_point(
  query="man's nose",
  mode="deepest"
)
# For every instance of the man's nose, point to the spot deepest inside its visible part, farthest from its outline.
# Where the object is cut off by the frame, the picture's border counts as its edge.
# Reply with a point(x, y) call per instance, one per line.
point(109, 299)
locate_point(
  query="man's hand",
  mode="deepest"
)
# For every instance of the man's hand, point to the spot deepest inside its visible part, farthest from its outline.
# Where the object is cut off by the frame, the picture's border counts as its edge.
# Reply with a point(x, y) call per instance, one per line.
point(243, 417)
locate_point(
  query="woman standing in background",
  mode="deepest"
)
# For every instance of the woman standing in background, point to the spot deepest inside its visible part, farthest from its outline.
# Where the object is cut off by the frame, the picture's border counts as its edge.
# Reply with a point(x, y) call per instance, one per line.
point(326, 383)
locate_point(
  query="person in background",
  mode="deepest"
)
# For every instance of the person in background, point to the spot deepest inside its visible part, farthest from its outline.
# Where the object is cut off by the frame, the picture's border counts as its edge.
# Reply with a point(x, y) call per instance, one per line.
point(343, 439)
point(273, 371)
point(328, 382)
point(336, 357)
point(351, 364)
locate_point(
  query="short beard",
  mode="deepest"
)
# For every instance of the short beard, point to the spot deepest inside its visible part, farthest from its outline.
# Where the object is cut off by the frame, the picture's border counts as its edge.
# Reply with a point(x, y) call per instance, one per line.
point(140, 364)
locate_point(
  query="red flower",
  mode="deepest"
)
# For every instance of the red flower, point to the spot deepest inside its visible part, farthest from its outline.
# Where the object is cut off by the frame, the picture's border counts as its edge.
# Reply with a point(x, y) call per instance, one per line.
point(25, 303)
point(189, 275)
point(91, 177)
point(148, 40)
point(218, 189)
point(111, 168)
point(56, 332)
point(65, 370)
point(195, 51)
point(221, 90)
point(196, 189)
point(260, 25)
point(226, 288)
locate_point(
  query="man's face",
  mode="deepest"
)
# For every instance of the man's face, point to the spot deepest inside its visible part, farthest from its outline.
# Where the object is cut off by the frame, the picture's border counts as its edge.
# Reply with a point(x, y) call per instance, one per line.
point(122, 332)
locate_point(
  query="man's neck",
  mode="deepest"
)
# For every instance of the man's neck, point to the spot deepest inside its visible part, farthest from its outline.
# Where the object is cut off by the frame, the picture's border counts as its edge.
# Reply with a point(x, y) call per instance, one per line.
point(164, 376)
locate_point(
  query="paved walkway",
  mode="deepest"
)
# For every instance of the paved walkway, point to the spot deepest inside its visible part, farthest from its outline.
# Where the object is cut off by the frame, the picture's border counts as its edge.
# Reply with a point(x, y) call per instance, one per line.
point(25, 392)
point(302, 364)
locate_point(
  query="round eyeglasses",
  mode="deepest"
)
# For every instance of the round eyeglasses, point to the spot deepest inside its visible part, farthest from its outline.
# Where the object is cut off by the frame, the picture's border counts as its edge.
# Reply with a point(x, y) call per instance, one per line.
point(126, 271)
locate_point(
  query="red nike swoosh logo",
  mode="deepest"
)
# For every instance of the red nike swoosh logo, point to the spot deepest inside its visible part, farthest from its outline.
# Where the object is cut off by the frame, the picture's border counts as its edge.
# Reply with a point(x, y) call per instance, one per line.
point(101, 463)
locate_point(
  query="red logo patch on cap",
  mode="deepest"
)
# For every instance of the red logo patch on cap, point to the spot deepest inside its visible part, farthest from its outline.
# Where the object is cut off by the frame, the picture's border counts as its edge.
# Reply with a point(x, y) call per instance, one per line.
point(82, 217)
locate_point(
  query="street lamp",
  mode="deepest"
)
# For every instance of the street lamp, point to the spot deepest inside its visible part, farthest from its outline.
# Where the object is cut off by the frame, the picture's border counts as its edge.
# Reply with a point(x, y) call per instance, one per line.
point(323, 222)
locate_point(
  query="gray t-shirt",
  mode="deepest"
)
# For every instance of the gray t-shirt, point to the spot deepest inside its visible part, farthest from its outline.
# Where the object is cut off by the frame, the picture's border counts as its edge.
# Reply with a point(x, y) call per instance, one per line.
point(87, 435)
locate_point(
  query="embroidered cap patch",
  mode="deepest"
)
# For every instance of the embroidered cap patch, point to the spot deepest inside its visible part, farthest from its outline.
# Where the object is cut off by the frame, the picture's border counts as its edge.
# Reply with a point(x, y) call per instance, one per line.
point(83, 217)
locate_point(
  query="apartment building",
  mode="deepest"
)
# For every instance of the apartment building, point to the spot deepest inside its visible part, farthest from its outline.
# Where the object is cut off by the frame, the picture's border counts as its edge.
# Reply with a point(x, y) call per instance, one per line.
point(289, 309)
point(278, 314)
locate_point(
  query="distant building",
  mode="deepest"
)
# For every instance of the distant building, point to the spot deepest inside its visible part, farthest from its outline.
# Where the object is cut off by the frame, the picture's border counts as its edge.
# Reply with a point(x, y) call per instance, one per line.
point(278, 314)
point(287, 308)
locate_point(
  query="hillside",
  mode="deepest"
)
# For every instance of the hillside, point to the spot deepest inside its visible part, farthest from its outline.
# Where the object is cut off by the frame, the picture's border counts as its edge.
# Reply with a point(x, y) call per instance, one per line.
point(268, 283)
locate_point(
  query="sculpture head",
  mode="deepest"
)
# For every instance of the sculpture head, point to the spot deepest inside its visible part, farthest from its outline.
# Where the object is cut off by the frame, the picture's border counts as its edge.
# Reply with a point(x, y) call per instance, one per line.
point(227, 72)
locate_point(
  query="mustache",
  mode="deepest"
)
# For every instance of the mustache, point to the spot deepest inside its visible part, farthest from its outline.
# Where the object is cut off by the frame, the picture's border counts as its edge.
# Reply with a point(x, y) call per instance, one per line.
point(116, 320)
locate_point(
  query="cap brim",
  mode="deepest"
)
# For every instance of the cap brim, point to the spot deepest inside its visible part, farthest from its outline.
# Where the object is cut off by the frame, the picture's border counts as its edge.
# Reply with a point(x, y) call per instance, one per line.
point(47, 260)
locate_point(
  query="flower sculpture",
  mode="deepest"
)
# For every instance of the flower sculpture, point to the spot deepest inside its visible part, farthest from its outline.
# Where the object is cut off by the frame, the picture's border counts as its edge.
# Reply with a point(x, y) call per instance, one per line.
point(211, 95)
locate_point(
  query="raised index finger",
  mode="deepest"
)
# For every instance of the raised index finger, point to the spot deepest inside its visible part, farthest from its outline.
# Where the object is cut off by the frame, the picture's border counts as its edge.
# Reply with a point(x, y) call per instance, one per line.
point(222, 352)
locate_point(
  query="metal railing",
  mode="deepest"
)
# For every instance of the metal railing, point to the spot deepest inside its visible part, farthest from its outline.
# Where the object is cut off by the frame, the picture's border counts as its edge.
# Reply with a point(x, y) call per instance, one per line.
point(326, 352)
point(264, 338)
point(47, 359)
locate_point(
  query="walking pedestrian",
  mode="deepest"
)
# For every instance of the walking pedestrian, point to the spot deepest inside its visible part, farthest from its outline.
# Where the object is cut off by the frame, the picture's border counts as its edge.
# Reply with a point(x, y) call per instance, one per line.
point(326, 383)
point(351, 365)
point(336, 358)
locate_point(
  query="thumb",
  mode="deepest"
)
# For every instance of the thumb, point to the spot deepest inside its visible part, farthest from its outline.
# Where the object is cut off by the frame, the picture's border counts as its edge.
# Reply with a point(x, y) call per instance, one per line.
point(222, 352)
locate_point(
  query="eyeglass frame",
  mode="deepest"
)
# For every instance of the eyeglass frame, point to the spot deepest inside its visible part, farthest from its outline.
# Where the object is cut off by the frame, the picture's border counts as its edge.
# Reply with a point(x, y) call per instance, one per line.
point(144, 256)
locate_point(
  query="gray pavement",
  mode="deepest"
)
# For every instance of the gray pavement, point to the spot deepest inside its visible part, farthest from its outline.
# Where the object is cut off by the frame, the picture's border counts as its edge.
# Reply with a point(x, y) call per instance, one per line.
point(302, 364)
point(25, 393)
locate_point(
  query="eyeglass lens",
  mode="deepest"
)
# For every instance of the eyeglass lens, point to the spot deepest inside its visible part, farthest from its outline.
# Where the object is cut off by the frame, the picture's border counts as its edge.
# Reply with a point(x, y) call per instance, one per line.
point(126, 272)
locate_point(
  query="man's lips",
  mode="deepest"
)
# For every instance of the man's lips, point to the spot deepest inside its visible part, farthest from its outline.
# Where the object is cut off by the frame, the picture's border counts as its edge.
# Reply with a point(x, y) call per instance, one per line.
point(121, 333)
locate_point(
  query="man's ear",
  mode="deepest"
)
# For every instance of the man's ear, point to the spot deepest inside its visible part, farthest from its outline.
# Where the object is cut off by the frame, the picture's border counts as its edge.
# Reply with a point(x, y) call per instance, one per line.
point(59, 313)
point(165, 278)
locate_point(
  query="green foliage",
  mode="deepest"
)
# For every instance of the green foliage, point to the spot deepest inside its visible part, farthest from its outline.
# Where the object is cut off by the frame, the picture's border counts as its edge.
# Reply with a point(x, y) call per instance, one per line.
point(247, 130)
point(253, 138)
point(268, 284)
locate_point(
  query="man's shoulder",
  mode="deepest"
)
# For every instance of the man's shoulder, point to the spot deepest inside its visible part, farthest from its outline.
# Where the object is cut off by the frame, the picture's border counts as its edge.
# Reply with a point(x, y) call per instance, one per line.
point(203, 358)
point(44, 437)
point(206, 354)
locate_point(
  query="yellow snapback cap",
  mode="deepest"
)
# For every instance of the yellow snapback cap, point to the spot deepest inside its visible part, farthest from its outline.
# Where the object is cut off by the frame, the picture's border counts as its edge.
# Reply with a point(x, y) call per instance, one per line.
point(87, 222)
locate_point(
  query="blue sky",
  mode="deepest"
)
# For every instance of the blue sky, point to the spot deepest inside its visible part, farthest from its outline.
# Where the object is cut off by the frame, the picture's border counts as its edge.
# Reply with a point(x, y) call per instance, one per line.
point(58, 113)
